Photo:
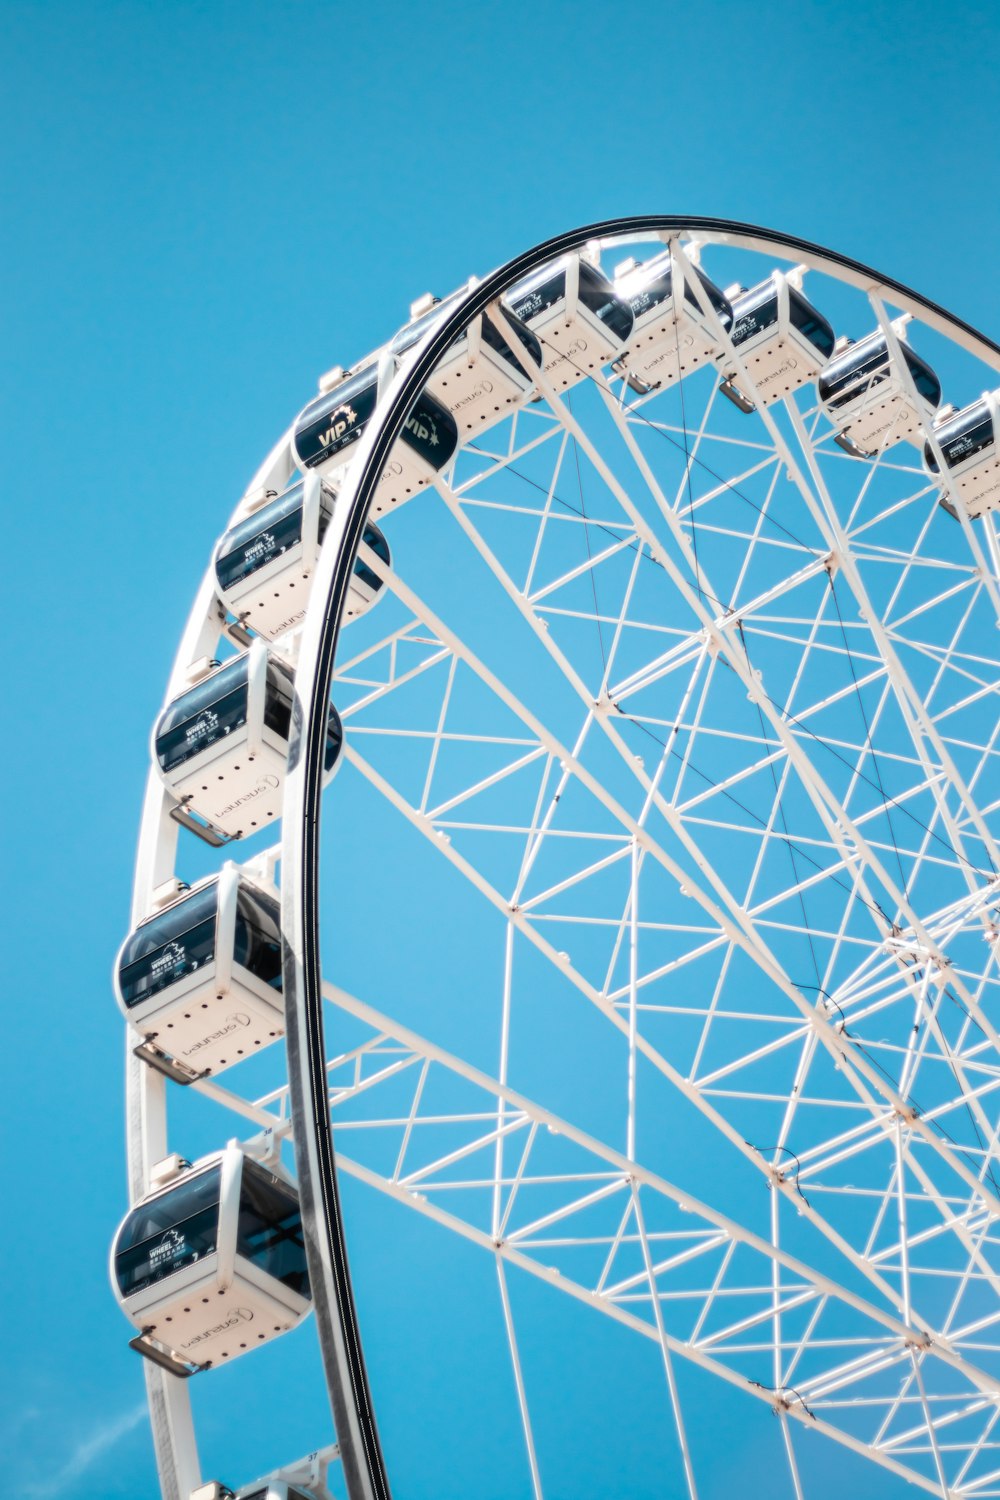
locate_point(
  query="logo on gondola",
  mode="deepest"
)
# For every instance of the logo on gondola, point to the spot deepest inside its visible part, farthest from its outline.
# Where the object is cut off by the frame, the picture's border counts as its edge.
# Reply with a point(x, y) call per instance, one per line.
point(342, 419)
point(578, 346)
point(234, 1317)
point(289, 622)
point(200, 728)
point(265, 784)
point(479, 390)
point(686, 343)
point(264, 544)
point(233, 1023)
point(171, 1245)
point(530, 305)
point(172, 956)
point(417, 425)
point(787, 367)
point(745, 327)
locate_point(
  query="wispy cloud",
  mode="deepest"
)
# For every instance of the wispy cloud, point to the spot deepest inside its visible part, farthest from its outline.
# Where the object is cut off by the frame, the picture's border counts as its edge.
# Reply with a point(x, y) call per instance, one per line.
point(84, 1456)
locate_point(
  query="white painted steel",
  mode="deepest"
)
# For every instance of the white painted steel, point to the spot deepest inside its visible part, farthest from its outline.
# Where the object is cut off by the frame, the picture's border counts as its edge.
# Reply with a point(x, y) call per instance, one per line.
point(781, 765)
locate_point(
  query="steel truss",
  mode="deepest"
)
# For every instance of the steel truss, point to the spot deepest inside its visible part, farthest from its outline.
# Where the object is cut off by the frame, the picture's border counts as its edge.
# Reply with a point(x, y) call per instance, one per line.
point(727, 777)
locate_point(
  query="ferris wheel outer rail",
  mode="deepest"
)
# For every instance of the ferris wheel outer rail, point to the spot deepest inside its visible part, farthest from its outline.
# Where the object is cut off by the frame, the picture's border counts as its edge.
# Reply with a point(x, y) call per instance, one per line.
point(344, 1366)
point(350, 1395)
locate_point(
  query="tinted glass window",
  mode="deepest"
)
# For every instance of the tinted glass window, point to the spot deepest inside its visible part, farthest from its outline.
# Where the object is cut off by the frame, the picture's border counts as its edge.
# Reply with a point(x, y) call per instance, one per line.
point(285, 1493)
point(540, 292)
point(270, 1228)
point(168, 947)
point(258, 935)
point(967, 433)
point(811, 323)
point(430, 431)
point(493, 338)
point(867, 364)
point(413, 332)
point(278, 709)
point(755, 311)
point(329, 425)
point(597, 293)
point(657, 285)
point(858, 367)
point(202, 715)
point(334, 739)
point(924, 378)
point(175, 1229)
point(537, 293)
point(278, 700)
point(377, 542)
point(265, 535)
point(719, 303)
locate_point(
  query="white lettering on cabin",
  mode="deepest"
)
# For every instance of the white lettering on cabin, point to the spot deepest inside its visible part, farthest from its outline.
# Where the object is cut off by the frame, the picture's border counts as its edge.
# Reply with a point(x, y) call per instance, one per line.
point(420, 430)
point(201, 727)
point(529, 306)
point(342, 419)
point(169, 1248)
point(264, 544)
point(172, 955)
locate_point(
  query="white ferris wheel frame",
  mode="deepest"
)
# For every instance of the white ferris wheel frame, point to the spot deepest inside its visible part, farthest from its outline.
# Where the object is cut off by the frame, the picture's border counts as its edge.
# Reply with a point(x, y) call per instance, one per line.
point(305, 1112)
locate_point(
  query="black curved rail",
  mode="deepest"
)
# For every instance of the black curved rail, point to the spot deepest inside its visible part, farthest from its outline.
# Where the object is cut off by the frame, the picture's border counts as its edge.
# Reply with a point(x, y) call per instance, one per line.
point(347, 1378)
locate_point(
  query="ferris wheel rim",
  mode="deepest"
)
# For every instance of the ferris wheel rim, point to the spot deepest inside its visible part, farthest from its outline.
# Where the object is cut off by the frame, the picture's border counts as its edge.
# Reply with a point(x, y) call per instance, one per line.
point(300, 848)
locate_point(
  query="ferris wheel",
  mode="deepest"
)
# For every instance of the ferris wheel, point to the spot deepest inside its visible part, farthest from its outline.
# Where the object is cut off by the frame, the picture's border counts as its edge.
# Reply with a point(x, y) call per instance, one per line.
point(573, 823)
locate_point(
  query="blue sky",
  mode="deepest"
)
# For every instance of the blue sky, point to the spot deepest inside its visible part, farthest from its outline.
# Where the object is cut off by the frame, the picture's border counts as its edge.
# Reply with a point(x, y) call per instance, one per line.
point(203, 206)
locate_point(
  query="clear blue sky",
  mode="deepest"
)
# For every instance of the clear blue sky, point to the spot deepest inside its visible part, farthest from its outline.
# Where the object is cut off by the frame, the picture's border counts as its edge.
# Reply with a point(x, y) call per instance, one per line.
point(203, 205)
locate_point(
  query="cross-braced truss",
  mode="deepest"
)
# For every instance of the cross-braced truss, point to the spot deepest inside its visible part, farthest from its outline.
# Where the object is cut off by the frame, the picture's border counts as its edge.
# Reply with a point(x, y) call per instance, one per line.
point(726, 759)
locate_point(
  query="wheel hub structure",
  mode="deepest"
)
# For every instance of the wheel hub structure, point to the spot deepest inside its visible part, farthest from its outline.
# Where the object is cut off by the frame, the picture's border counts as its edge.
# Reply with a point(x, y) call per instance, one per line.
point(629, 930)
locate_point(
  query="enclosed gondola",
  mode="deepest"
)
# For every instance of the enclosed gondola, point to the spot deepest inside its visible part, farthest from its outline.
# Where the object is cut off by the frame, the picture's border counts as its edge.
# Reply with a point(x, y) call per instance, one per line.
point(327, 430)
point(967, 440)
point(200, 979)
point(221, 746)
point(867, 398)
point(673, 333)
point(264, 563)
point(580, 320)
point(277, 1489)
point(272, 1489)
point(212, 1262)
point(486, 374)
point(782, 339)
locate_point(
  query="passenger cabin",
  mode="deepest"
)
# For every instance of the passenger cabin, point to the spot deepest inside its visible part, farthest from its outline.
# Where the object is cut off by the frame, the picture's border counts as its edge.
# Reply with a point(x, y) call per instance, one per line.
point(864, 394)
point(260, 1489)
point(329, 427)
point(200, 979)
point(673, 334)
point(212, 1262)
point(276, 1490)
point(486, 374)
point(221, 746)
point(783, 341)
point(580, 320)
point(968, 443)
point(264, 564)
